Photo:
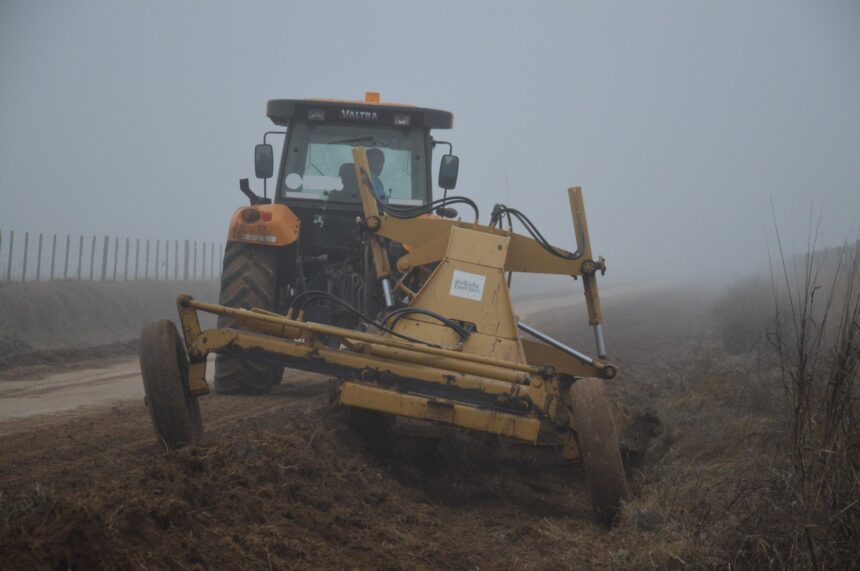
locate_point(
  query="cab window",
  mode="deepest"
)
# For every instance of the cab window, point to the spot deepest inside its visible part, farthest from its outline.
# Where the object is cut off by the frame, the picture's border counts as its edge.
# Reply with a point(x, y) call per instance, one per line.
point(319, 163)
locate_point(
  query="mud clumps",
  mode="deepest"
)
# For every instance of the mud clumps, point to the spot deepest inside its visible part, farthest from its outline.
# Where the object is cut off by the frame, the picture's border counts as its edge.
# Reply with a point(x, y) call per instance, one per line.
point(299, 487)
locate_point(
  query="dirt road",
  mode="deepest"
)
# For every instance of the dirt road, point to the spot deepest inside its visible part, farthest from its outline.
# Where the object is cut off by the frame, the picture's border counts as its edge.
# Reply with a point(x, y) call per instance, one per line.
point(63, 389)
point(66, 390)
point(283, 481)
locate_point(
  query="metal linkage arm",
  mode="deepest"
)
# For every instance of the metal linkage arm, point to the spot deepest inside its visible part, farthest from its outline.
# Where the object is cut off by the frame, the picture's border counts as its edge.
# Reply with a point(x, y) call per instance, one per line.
point(589, 269)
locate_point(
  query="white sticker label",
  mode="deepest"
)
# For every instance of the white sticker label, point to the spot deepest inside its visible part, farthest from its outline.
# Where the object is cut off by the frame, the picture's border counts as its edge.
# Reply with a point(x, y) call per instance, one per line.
point(470, 286)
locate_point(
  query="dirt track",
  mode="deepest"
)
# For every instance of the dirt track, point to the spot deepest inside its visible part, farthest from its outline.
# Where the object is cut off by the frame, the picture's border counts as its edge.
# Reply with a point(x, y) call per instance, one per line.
point(66, 390)
point(283, 481)
point(88, 383)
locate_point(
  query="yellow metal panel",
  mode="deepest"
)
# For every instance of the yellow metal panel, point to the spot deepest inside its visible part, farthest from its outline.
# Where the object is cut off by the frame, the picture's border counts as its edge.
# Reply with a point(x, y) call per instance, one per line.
point(413, 231)
point(439, 410)
point(488, 306)
point(477, 247)
point(428, 252)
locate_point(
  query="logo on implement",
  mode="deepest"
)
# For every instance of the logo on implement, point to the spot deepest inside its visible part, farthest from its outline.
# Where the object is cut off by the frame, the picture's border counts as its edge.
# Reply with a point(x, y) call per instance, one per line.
point(358, 115)
point(466, 285)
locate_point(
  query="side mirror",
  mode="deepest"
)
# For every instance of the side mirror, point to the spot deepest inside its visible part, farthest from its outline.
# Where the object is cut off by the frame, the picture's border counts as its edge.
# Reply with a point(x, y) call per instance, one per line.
point(264, 161)
point(448, 171)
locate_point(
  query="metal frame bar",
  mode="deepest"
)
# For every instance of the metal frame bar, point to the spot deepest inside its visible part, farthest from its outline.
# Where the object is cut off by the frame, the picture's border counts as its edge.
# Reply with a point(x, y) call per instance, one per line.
point(371, 359)
point(444, 411)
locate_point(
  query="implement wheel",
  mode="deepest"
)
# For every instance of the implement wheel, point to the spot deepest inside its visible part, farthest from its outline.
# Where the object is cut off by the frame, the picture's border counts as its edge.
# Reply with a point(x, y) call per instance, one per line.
point(598, 443)
point(174, 411)
point(249, 280)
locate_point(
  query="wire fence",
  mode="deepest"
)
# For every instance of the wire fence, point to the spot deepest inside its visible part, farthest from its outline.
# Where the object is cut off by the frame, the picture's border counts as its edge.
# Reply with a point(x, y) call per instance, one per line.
point(34, 257)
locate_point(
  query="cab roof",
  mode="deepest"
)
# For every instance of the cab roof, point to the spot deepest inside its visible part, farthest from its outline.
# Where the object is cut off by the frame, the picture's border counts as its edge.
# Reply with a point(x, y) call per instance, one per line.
point(369, 112)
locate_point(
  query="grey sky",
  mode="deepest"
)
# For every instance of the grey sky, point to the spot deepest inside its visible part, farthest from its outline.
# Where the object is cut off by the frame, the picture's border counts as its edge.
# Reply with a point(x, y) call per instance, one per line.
point(680, 119)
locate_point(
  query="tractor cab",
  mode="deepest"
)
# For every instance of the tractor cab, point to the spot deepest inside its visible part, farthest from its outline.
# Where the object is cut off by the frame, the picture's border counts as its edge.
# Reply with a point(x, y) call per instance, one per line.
point(317, 169)
point(317, 179)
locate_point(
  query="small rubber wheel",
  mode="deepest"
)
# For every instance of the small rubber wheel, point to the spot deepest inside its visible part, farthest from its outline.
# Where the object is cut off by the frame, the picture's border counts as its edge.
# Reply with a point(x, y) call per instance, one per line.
point(174, 411)
point(598, 443)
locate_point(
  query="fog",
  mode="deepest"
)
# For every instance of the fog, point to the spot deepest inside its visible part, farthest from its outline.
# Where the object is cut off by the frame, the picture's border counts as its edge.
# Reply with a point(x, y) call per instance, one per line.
point(682, 121)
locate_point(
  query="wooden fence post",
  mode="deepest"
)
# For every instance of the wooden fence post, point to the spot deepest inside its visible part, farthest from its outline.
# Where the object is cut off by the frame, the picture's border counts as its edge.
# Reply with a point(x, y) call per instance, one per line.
point(80, 256)
point(136, 256)
point(9, 264)
point(157, 249)
point(195, 261)
point(185, 273)
point(115, 254)
point(39, 258)
point(53, 255)
point(175, 259)
point(212, 262)
point(66, 263)
point(146, 263)
point(125, 265)
point(93, 258)
point(105, 245)
point(26, 244)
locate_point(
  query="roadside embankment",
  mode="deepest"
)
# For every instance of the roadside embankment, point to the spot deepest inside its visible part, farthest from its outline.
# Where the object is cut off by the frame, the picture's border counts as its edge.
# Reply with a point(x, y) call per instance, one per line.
point(68, 316)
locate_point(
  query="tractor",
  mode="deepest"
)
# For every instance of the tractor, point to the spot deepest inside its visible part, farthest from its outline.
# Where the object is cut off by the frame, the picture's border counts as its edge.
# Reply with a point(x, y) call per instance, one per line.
point(352, 269)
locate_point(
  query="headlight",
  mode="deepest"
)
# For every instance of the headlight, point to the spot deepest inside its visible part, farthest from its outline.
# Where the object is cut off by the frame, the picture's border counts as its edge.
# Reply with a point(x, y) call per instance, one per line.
point(250, 215)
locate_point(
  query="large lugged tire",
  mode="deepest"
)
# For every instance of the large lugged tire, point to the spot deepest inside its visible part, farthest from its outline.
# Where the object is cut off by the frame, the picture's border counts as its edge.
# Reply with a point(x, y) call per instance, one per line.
point(249, 280)
point(598, 443)
point(174, 411)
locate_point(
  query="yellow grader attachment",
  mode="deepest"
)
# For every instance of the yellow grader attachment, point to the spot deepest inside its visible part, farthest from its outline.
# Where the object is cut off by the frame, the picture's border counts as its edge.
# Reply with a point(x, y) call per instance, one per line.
point(452, 354)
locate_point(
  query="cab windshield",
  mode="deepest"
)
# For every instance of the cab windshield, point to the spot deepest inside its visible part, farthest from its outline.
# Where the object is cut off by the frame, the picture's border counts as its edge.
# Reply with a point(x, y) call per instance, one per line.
point(319, 164)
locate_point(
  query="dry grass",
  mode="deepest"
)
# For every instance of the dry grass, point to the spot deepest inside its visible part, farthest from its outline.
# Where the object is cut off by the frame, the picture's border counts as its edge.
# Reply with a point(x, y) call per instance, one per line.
point(742, 314)
point(760, 464)
point(816, 340)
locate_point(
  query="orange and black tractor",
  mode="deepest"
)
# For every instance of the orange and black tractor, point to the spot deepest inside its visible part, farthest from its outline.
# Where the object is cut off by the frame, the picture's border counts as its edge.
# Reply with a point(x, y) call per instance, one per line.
point(353, 270)
point(304, 238)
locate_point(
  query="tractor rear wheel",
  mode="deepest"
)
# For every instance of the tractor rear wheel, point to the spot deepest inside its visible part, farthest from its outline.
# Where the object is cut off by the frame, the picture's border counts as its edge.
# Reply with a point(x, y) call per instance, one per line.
point(175, 412)
point(249, 280)
point(598, 442)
